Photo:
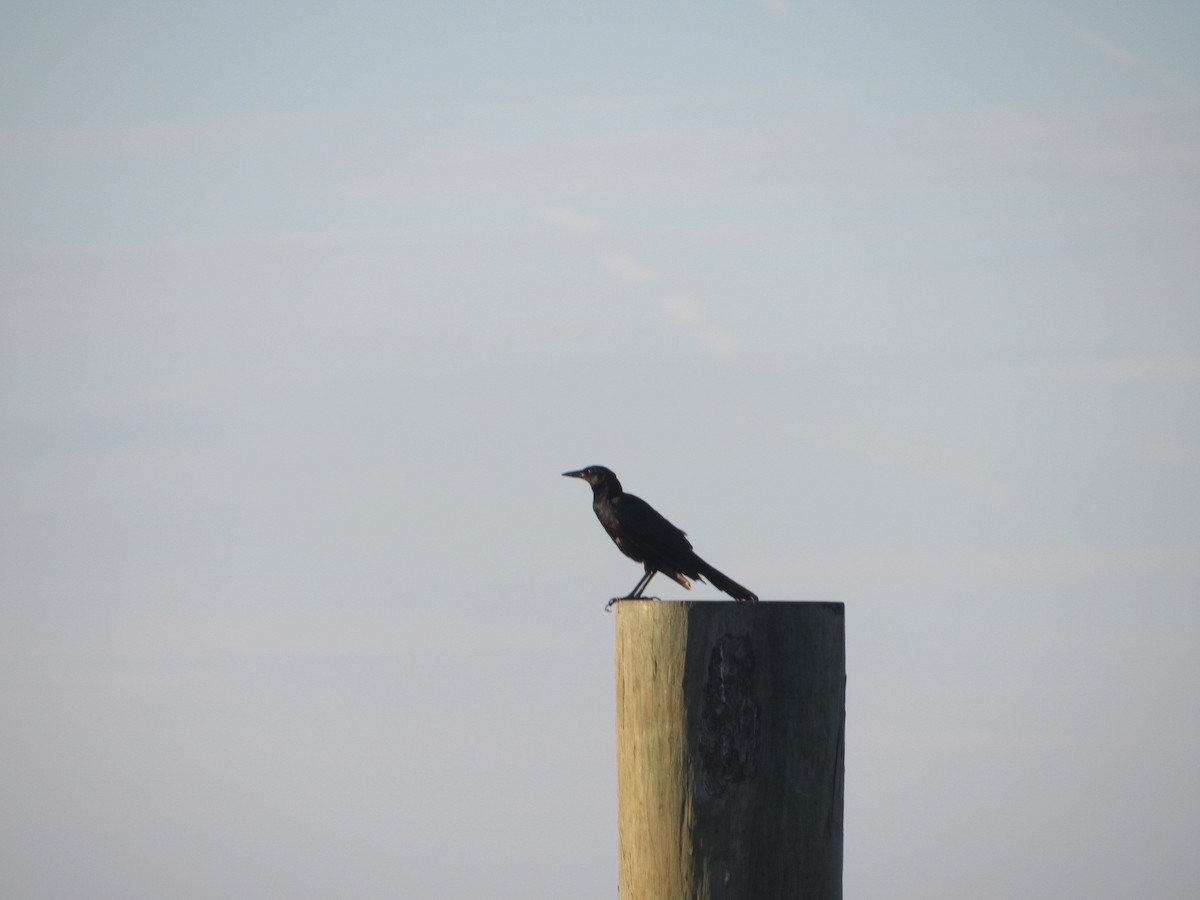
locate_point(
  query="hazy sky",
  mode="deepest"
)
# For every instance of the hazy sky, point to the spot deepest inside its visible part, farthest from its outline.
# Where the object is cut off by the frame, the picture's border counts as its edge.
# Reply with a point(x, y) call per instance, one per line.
point(304, 308)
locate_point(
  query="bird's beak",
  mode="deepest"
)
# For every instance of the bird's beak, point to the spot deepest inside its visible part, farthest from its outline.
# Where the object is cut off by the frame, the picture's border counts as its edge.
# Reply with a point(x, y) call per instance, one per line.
point(578, 474)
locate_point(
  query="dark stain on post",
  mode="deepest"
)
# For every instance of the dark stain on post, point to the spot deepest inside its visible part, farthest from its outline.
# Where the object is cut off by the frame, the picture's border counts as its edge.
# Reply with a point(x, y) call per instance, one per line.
point(728, 740)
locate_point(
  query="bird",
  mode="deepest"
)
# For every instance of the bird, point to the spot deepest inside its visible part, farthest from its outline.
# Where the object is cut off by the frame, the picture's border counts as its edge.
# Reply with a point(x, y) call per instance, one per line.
point(644, 535)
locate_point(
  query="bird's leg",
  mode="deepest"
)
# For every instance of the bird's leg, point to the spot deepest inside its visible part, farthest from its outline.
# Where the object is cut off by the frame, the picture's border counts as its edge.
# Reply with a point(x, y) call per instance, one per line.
point(636, 593)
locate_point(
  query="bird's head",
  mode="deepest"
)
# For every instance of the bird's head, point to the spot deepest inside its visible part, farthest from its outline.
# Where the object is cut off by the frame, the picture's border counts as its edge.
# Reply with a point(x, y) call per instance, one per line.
point(601, 479)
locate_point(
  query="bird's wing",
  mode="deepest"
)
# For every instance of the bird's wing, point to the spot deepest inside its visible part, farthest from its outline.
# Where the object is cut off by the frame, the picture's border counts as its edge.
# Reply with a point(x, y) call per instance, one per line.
point(646, 530)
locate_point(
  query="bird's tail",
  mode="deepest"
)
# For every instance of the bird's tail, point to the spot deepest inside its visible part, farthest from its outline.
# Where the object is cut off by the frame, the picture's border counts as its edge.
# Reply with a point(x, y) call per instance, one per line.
point(723, 582)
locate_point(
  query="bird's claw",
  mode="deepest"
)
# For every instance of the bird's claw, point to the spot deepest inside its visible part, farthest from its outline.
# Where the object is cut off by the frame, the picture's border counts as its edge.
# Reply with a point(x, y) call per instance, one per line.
point(609, 605)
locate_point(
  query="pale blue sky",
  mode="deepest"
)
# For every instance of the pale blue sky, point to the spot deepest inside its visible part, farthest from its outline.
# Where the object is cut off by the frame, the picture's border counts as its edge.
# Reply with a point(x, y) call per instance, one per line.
point(304, 308)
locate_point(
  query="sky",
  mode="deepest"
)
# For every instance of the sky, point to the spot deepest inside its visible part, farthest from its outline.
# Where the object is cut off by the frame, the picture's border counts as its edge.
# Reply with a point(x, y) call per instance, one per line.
point(305, 307)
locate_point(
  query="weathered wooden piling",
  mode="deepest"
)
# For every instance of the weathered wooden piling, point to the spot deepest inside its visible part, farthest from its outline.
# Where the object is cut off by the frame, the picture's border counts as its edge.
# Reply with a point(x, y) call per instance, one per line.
point(730, 746)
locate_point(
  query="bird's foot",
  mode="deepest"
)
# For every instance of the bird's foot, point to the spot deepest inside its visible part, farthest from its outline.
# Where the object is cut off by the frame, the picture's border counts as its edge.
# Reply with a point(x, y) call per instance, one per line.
point(609, 605)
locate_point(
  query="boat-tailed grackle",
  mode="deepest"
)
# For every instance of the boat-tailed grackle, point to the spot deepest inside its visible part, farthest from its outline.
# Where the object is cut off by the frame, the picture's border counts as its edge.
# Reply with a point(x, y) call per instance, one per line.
point(645, 536)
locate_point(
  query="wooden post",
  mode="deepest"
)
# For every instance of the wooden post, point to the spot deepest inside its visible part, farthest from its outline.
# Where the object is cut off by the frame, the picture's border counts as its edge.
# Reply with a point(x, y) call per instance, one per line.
point(730, 741)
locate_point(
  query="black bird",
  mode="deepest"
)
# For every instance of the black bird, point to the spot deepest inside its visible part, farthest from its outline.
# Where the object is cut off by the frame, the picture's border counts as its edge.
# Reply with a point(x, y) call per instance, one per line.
point(642, 534)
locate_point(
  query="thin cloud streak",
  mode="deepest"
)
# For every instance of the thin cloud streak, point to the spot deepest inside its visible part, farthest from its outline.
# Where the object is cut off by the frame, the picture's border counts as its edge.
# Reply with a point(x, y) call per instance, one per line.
point(571, 220)
point(625, 267)
point(951, 569)
point(1114, 370)
point(681, 308)
point(1126, 57)
point(777, 9)
point(718, 340)
point(168, 136)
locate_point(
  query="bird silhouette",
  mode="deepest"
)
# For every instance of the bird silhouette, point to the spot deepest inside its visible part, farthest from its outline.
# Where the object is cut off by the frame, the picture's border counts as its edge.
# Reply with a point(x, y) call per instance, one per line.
point(644, 535)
